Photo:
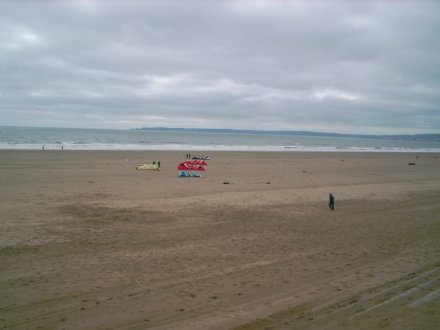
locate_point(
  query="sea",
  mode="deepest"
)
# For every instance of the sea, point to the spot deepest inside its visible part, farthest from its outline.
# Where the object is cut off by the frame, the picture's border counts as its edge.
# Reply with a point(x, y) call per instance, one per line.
point(37, 138)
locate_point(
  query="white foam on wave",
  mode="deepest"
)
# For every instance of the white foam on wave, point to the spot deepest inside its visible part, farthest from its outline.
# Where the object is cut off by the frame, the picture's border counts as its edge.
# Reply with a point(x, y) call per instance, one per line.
point(187, 147)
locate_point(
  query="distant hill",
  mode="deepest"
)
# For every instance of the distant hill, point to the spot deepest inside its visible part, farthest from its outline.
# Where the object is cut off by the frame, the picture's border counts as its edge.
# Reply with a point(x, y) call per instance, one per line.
point(414, 137)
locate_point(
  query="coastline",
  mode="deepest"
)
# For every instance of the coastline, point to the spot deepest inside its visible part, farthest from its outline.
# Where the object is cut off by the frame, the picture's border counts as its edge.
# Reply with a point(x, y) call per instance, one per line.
point(87, 241)
point(34, 138)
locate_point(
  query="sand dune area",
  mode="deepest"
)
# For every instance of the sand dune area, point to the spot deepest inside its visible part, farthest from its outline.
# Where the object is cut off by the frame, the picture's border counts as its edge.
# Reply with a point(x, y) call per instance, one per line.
point(89, 242)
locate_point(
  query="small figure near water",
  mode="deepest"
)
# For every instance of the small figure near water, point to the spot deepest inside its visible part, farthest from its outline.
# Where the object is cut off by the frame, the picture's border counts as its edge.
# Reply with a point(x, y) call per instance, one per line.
point(331, 201)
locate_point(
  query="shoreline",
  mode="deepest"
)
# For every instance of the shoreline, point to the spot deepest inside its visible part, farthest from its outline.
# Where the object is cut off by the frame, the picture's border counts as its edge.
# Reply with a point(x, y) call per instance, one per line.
point(201, 149)
point(87, 241)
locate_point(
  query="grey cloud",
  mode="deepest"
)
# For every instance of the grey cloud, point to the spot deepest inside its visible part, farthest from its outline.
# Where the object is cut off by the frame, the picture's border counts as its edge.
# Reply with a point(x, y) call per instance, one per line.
point(348, 66)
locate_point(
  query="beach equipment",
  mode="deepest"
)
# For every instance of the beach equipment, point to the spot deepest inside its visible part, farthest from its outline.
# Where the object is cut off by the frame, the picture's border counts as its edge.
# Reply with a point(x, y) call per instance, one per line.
point(190, 167)
point(196, 162)
point(185, 174)
point(148, 166)
point(201, 158)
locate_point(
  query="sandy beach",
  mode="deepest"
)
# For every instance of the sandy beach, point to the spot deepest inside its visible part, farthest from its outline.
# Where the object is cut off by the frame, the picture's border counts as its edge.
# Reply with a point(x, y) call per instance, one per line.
point(88, 242)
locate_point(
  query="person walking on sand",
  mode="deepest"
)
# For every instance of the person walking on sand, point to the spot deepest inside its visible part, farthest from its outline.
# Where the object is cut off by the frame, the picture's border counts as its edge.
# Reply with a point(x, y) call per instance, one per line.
point(331, 201)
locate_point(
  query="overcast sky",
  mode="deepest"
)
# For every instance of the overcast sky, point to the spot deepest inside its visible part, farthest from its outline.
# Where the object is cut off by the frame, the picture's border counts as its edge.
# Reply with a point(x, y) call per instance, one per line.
point(334, 66)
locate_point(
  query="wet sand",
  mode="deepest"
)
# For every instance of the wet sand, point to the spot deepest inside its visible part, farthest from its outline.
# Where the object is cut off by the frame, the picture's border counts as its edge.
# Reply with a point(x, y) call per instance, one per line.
point(88, 242)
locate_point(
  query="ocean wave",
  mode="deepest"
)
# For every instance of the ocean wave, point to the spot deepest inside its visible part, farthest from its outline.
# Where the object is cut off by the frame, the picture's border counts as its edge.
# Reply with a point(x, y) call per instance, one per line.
point(189, 147)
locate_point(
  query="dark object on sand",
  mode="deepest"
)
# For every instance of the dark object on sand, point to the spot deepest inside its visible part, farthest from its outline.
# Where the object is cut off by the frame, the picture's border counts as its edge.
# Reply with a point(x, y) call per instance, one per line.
point(411, 163)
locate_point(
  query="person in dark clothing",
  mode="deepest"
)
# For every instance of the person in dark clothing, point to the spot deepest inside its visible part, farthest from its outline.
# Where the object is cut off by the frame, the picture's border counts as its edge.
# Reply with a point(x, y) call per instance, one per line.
point(331, 201)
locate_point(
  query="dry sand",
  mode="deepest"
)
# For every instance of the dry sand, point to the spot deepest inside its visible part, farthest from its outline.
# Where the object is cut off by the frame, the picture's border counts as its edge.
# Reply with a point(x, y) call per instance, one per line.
point(88, 242)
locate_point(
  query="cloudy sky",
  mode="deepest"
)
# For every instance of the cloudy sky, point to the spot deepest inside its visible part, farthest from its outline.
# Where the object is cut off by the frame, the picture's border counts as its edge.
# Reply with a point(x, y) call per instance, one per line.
point(333, 66)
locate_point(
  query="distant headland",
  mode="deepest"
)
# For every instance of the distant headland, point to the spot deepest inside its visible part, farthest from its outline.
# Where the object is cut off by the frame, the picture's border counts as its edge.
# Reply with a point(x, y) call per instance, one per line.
point(404, 137)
